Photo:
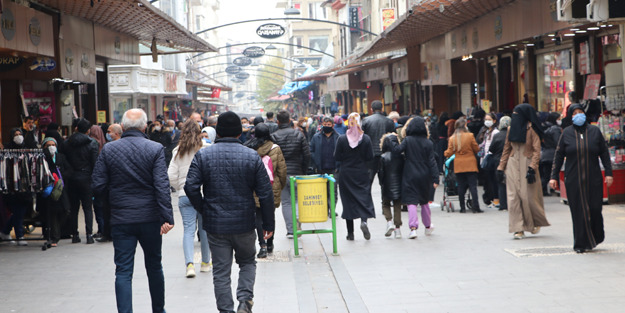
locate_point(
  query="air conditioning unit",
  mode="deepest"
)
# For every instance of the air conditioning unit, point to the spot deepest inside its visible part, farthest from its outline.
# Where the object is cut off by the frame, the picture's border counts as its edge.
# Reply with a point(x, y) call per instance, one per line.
point(571, 10)
point(604, 10)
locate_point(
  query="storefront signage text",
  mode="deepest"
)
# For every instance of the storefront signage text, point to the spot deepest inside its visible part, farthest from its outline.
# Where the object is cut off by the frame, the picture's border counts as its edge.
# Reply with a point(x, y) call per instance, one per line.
point(584, 59)
point(242, 75)
point(270, 31)
point(34, 31)
point(592, 86)
point(233, 69)
point(171, 82)
point(8, 24)
point(8, 63)
point(242, 61)
point(355, 14)
point(254, 52)
point(43, 64)
point(498, 27)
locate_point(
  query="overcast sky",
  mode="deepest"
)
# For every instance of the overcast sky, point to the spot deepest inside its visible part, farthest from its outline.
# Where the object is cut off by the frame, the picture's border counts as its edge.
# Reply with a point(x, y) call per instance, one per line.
point(240, 10)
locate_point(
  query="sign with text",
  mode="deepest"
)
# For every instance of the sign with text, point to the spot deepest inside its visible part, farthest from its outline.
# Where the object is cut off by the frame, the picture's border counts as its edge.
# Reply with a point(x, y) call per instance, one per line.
point(584, 59)
point(592, 86)
point(9, 62)
point(388, 17)
point(355, 14)
point(270, 31)
point(242, 61)
point(242, 75)
point(101, 116)
point(233, 69)
point(43, 64)
point(254, 52)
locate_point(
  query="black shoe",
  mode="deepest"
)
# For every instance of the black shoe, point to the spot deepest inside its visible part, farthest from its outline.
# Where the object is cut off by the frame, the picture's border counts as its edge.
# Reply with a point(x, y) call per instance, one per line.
point(477, 211)
point(245, 306)
point(75, 239)
point(463, 211)
point(269, 248)
point(103, 239)
point(365, 230)
point(97, 235)
point(580, 251)
point(90, 239)
point(262, 253)
point(350, 236)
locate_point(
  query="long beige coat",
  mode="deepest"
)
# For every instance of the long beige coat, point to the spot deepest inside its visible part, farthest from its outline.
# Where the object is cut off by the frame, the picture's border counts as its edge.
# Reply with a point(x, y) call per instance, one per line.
point(526, 209)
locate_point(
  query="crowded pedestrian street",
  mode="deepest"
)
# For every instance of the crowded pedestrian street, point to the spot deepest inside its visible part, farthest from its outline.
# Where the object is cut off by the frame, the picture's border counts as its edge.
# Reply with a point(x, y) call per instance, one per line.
point(469, 264)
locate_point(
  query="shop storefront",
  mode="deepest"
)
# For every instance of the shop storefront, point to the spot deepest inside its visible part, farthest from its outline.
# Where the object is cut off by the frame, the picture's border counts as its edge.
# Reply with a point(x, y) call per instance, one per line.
point(555, 71)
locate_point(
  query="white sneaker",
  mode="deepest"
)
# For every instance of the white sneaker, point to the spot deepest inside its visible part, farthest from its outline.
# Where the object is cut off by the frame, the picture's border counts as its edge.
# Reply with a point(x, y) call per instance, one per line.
point(413, 234)
point(4, 236)
point(429, 230)
point(21, 242)
point(190, 270)
point(397, 233)
point(435, 205)
point(389, 229)
point(206, 267)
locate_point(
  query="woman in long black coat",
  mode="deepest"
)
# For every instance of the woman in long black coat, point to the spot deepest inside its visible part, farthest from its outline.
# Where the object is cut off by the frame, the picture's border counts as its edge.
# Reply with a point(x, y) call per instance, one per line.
point(57, 210)
point(583, 144)
point(354, 150)
point(419, 175)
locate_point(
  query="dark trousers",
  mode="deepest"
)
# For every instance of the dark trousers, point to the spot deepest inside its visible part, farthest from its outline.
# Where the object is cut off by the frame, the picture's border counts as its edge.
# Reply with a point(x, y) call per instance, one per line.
point(80, 192)
point(125, 238)
point(491, 190)
point(259, 230)
point(98, 212)
point(503, 197)
point(545, 174)
point(441, 147)
point(222, 248)
point(18, 209)
point(467, 180)
point(374, 168)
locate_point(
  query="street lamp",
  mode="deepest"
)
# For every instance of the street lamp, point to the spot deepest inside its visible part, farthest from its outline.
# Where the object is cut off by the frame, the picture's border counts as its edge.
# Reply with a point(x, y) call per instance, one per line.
point(291, 11)
point(271, 47)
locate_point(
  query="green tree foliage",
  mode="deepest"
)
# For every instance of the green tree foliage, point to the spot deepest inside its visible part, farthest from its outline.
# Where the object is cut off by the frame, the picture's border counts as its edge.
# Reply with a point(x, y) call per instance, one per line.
point(268, 88)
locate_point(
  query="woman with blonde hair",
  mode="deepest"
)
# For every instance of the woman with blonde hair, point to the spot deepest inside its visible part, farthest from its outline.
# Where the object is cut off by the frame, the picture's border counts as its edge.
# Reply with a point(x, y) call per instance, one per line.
point(190, 143)
point(354, 150)
point(464, 146)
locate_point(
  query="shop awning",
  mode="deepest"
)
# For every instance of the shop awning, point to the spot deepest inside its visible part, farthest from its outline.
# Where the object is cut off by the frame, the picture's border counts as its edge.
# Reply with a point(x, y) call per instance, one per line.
point(211, 86)
point(350, 68)
point(280, 98)
point(429, 19)
point(136, 18)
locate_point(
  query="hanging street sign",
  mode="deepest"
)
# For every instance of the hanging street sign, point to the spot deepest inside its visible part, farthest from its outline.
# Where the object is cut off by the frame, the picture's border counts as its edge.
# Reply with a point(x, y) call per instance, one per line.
point(239, 95)
point(233, 69)
point(254, 52)
point(242, 75)
point(242, 61)
point(270, 31)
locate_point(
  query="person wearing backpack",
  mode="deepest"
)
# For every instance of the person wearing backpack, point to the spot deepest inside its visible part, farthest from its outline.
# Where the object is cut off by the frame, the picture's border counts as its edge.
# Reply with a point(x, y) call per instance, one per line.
point(272, 157)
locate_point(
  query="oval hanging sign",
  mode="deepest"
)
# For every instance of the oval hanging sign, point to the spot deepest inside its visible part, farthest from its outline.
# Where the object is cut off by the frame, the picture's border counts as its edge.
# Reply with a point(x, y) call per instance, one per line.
point(239, 95)
point(43, 64)
point(242, 61)
point(242, 75)
point(254, 52)
point(233, 69)
point(270, 31)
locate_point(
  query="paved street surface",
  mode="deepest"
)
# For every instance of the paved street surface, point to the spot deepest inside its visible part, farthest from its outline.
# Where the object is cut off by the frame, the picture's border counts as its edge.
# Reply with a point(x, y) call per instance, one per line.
point(469, 264)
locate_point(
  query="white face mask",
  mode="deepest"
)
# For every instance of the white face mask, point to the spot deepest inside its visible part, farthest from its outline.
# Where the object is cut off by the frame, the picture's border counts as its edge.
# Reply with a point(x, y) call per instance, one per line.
point(157, 128)
point(19, 139)
point(304, 124)
point(488, 123)
point(52, 149)
point(559, 122)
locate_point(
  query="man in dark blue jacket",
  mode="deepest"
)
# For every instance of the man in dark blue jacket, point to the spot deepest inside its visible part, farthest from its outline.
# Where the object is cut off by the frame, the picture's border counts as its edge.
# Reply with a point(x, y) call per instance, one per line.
point(132, 173)
point(227, 174)
point(322, 147)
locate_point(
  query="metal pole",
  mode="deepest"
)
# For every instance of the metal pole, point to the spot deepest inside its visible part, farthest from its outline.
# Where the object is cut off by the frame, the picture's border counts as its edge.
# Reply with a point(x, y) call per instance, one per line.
point(333, 215)
point(293, 210)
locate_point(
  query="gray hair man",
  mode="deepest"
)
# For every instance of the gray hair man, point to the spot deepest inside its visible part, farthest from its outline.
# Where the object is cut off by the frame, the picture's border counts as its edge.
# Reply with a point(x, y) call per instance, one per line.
point(114, 132)
point(131, 173)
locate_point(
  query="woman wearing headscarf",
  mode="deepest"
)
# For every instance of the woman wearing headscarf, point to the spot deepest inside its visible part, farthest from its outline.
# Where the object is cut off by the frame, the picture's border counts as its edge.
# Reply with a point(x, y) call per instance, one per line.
point(462, 144)
point(419, 175)
point(496, 148)
point(264, 145)
point(56, 210)
point(96, 133)
point(190, 143)
point(583, 144)
point(354, 150)
point(209, 134)
point(519, 162)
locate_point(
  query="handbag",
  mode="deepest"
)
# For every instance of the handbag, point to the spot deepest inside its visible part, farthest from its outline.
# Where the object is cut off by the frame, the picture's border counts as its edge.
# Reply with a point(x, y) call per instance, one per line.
point(488, 162)
point(57, 190)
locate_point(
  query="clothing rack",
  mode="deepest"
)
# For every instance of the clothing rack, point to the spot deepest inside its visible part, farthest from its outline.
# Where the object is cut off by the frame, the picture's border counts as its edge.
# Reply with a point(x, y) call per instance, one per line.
point(23, 171)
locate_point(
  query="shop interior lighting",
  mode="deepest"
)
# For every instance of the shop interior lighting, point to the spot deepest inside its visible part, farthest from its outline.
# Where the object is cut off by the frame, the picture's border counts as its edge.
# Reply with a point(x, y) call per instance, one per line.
point(604, 25)
point(499, 49)
point(551, 35)
point(530, 44)
point(610, 25)
point(593, 28)
point(513, 45)
point(580, 31)
point(569, 35)
point(574, 29)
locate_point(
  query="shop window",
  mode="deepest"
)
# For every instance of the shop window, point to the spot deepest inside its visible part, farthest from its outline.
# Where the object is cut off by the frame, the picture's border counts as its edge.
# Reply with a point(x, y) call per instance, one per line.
point(316, 11)
point(298, 50)
point(556, 77)
point(318, 42)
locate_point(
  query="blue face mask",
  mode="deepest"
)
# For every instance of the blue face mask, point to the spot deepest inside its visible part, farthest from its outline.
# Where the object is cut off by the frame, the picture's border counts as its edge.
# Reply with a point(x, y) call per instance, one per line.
point(396, 124)
point(108, 137)
point(579, 119)
point(206, 140)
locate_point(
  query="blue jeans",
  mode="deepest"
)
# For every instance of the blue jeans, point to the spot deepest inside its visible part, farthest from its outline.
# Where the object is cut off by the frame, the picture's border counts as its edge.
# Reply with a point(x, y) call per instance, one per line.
point(16, 221)
point(190, 220)
point(125, 239)
point(244, 248)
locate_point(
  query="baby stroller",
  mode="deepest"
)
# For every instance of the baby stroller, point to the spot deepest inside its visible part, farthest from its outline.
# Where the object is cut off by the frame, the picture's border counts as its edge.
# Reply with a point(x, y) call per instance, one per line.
point(451, 187)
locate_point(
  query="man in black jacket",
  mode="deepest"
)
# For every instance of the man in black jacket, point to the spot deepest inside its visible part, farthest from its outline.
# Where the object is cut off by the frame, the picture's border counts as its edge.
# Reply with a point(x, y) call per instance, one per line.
point(81, 151)
point(132, 174)
point(228, 174)
point(375, 126)
point(297, 156)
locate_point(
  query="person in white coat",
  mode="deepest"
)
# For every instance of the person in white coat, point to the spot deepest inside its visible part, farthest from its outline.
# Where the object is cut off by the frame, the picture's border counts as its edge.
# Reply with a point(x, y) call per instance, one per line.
point(190, 143)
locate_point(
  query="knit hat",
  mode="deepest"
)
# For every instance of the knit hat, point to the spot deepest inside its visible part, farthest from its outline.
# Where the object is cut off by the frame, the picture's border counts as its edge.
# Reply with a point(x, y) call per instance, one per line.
point(48, 139)
point(229, 125)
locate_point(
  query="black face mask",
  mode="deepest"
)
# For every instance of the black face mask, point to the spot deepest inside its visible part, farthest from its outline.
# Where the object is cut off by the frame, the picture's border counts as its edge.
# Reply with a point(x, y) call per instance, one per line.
point(327, 129)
